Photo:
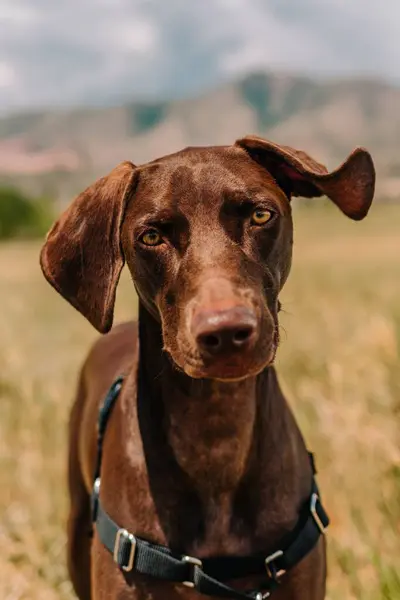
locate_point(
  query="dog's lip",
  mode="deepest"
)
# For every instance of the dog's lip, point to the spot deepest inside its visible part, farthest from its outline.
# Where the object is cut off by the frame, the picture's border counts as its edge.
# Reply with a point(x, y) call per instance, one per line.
point(228, 376)
point(219, 371)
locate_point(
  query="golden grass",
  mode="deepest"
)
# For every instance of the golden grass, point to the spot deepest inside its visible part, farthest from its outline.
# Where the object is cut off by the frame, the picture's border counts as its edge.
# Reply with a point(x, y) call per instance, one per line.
point(338, 364)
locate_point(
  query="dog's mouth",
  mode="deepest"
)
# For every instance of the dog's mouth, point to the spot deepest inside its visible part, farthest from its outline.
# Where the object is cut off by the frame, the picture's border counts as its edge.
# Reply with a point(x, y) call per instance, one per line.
point(231, 368)
point(229, 371)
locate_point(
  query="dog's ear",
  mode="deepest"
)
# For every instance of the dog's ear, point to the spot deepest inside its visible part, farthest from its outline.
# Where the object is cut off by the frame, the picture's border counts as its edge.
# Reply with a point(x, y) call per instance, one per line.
point(351, 186)
point(82, 257)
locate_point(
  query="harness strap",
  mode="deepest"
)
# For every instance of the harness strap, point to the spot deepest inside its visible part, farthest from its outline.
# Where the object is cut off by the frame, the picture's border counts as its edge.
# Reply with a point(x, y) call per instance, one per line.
point(208, 575)
point(104, 413)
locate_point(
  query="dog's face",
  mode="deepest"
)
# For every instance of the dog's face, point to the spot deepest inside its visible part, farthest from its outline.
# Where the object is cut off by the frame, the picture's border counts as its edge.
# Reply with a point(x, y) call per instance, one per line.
point(208, 240)
point(207, 236)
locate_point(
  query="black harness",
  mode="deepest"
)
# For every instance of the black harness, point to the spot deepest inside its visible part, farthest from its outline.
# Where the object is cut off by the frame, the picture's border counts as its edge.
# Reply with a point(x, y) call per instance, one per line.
point(206, 575)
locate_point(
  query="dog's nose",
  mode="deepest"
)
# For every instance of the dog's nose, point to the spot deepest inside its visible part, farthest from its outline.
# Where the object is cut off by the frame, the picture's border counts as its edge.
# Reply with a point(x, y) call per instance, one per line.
point(225, 332)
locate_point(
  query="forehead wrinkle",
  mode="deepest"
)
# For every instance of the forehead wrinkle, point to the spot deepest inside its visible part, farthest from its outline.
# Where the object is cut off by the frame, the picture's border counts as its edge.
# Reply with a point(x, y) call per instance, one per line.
point(162, 189)
point(179, 190)
point(211, 182)
point(189, 188)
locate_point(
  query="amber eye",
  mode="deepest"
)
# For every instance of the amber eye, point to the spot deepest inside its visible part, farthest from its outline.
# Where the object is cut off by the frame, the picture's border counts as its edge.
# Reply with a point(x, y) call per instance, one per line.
point(260, 216)
point(151, 238)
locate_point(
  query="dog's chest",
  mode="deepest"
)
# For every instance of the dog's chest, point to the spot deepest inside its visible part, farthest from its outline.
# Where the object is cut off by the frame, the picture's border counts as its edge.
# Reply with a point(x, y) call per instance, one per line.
point(160, 502)
point(219, 535)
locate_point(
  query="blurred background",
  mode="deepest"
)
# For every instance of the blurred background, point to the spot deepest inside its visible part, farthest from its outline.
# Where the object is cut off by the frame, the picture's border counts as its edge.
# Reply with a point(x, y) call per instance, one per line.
point(84, 85)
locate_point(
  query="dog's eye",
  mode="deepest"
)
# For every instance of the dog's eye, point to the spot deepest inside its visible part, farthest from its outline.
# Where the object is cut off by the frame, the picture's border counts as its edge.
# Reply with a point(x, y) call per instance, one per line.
point(151, 238)
point(261, 216)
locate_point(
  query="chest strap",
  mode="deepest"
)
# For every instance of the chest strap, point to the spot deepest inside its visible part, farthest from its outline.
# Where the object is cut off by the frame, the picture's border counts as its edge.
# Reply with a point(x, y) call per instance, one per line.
point(207, 575)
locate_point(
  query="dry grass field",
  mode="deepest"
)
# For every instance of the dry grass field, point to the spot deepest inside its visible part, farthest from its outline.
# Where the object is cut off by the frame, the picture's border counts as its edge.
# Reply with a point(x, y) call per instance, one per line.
point(338, 362)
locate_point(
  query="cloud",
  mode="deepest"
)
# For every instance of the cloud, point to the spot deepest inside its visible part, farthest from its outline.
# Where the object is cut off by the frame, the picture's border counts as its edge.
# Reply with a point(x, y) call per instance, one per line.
point(101, 51)
point(353, 36)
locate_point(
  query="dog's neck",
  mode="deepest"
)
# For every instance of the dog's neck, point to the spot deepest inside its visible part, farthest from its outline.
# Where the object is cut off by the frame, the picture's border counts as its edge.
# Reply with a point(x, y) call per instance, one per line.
point(213, 428)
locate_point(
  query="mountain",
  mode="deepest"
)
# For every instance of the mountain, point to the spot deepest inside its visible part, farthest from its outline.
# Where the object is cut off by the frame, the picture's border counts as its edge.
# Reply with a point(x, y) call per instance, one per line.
point(57, 152)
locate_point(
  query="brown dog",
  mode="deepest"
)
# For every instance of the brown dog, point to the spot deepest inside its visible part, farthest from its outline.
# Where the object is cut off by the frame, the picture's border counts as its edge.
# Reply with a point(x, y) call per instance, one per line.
point(210, 461)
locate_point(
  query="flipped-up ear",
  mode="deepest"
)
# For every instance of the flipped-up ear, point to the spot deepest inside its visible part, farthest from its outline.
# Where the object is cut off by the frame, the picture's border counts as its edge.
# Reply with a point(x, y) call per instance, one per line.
point(82, 257)
point(351, 186)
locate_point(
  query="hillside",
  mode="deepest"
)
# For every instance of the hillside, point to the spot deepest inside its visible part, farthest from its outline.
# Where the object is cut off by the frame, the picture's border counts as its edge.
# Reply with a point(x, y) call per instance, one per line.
point(58, 151)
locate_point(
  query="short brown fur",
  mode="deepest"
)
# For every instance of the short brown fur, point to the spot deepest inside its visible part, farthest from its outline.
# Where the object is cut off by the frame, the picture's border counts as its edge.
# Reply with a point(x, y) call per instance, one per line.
point(211, 460)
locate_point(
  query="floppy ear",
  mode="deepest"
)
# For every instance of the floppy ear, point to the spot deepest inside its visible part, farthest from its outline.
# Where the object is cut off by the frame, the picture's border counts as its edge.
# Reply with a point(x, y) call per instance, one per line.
point(351, 186)
point(82, 257)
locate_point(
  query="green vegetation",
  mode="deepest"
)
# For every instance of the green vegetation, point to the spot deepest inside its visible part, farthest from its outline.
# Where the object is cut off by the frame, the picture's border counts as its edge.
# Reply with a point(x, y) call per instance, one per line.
point(23, 217)
point(273, 105)
point(146, 116)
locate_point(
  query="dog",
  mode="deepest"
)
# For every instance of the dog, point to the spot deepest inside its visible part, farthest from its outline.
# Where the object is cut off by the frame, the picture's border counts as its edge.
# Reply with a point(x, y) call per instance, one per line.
point(201, 462)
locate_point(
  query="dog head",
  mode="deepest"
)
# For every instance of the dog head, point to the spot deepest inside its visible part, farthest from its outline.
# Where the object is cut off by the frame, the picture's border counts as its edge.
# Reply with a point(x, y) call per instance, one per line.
point(207, 236)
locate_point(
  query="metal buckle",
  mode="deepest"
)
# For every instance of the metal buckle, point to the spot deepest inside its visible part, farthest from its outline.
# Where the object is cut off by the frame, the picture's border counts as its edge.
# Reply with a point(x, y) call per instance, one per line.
point(313, 510)
point(262, 595)
point(132, 539)
point(196, 562)
point(96, 486)
point(95, 499)
point(269, 560)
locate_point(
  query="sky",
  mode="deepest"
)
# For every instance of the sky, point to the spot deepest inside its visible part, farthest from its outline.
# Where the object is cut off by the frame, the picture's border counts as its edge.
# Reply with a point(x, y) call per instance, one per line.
point(69, 52)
